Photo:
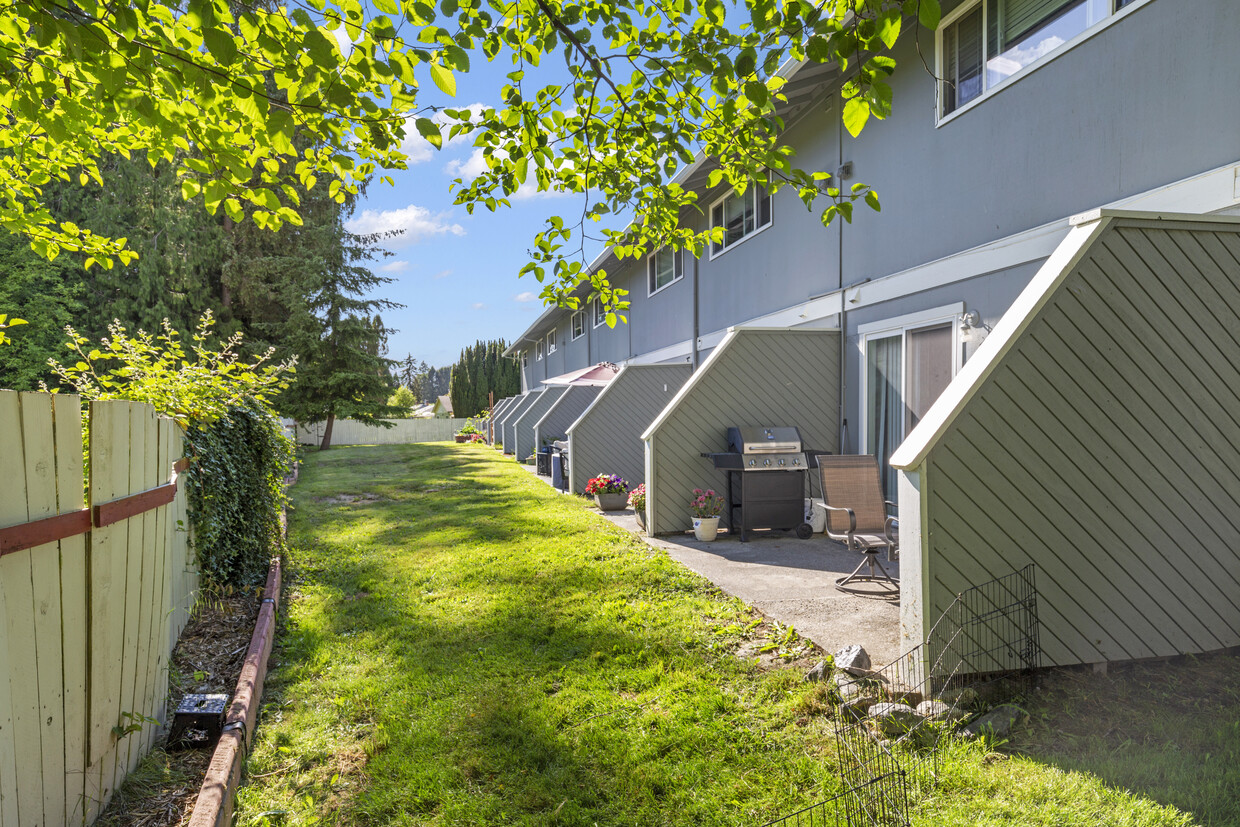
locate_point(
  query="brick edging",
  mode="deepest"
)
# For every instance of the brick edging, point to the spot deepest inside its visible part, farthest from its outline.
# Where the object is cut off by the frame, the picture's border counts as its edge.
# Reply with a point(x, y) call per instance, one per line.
point(219, 787)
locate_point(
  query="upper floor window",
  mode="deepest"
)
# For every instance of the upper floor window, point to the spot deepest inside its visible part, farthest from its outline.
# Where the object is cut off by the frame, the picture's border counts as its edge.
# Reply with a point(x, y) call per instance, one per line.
point(538, 350)
point(740, 216)
point(984, 43)
point(663, 267)
point(551, 342)
point(600, 315)
point(578, 325)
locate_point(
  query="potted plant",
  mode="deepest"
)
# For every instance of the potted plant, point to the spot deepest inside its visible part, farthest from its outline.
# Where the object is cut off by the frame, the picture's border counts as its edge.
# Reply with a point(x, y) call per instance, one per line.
point(637, 502)
point(706, 507)
point(466, 433)
point(609, 491)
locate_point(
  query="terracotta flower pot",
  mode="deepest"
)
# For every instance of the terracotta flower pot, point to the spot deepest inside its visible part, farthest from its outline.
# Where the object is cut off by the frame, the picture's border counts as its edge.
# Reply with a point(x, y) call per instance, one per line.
point(460, 437)
point(705, 528)
point(612, 502)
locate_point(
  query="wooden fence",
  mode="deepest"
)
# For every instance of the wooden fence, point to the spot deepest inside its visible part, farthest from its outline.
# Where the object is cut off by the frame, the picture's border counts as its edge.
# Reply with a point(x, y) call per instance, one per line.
point(402, 432)
point(92, 600)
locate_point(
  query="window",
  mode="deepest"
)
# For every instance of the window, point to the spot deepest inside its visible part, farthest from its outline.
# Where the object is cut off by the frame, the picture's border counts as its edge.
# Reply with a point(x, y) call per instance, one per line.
point(663, 267)
point(984, 44)
point(600, 315)
point(551, 342)
point(740, 216)
point(538, 350)
point(578, 325)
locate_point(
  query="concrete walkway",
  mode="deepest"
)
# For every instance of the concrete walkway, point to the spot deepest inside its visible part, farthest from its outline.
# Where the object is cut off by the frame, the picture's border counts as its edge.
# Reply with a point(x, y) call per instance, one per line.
point(792, 581)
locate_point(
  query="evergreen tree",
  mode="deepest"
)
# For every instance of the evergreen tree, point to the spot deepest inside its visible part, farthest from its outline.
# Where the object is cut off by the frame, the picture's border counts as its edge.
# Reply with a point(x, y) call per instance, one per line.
point(48, 295)
point(341, 342)
point(481, 371)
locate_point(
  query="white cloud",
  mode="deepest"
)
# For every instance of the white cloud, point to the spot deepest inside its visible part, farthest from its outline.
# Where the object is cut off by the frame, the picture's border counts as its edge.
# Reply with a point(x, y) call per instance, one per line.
point(527, 296)
point(470, 168)
point(418, 223)
point(442, 274)
point(478, 305)
point(476, 164)
point(417, 147)
point(343, 41)
point(394, 267)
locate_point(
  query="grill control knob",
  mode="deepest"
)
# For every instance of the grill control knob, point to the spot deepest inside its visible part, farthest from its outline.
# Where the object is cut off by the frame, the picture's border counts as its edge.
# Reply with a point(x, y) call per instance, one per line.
point(766, 462)
point(753, 462)
point(796, 461)
point(781, 462)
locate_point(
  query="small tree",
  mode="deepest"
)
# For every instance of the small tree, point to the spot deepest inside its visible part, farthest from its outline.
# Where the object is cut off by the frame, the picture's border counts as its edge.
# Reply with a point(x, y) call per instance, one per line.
point(403, 401)
point(240, 454)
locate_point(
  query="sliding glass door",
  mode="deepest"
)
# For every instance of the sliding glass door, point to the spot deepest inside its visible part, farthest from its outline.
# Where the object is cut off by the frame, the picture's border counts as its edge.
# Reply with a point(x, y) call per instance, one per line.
point(905, 371)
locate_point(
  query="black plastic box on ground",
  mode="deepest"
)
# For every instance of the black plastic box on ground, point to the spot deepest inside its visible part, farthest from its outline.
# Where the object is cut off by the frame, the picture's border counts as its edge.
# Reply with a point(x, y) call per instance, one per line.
point(544, 462)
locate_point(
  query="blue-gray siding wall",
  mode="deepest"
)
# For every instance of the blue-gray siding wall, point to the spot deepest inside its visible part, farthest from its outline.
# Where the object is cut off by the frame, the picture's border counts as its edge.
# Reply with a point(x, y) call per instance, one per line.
point(991, 295)
point(606, 438)
point(1114, 116)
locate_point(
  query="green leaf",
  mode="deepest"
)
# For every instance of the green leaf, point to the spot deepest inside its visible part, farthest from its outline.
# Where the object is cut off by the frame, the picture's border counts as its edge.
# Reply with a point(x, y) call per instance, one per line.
point(429, 130)
point(755, 90)
point(444, 79)
point(387, 6)
point(856, 113)
point(929, 13)
point(221, 45)
point(888, 24)
point(871, 198)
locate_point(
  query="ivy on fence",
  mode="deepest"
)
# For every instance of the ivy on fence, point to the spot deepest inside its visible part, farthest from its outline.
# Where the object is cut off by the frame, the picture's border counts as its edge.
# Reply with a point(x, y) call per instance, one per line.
point(235, 486)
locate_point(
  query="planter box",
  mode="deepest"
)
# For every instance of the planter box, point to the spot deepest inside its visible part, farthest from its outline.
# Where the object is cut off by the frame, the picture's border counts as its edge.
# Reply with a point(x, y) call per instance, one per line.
point(611, 502)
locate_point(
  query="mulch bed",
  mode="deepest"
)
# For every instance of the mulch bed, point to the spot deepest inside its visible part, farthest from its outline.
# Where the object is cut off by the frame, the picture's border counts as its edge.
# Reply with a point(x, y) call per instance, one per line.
point(207, 659)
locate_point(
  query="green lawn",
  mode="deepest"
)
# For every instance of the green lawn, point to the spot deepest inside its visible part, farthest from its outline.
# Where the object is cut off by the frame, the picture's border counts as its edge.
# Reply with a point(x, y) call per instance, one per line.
point(464, 646)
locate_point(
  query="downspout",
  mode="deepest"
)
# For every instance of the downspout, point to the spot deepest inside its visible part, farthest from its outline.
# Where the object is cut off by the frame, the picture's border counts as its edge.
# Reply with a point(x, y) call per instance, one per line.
point(843, 419)
point(695, 359)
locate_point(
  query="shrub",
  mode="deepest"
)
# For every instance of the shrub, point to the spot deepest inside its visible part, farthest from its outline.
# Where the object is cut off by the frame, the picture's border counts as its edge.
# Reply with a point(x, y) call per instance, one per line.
point(235, 491)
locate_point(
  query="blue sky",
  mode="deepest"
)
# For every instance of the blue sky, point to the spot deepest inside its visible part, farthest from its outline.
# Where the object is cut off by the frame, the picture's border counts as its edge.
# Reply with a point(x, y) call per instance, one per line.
point(455, 273)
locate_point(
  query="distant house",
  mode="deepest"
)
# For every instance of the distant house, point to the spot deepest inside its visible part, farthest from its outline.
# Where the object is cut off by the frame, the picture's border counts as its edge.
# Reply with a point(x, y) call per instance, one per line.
point(442, 408)
point(423, 411)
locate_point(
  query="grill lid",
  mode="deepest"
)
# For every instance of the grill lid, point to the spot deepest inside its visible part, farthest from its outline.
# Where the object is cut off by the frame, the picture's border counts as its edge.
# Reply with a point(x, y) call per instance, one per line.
point(764, 441)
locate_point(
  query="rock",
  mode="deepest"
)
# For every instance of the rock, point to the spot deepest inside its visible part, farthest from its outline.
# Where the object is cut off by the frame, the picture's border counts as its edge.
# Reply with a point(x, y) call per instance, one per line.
point(850, 687)
point(893, 719)
point(939, 711)
point(996, 723)
point(852, 658)
point(901, 693)
point(857, 708)
point(963, 697)
point(819, 673)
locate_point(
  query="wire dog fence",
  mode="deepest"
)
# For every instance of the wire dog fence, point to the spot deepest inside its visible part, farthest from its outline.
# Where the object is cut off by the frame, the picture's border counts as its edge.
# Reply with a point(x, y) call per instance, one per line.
point(982, 651)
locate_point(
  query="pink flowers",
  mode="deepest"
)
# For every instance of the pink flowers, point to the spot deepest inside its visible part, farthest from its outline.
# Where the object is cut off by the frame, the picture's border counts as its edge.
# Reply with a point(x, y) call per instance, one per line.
point(637, 498)
point(706, 503)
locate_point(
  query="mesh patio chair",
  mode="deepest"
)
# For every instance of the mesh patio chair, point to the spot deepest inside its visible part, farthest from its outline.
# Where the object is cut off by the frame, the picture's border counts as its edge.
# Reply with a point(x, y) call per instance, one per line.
point(857, 516)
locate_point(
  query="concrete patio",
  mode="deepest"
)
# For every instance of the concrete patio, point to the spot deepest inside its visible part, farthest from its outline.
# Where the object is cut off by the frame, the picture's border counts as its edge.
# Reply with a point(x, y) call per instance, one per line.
point(789, 580)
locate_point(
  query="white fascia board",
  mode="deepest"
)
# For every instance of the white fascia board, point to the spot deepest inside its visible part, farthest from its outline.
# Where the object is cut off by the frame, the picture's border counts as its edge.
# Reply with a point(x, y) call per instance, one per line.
point(671, 353)
point(990, 354)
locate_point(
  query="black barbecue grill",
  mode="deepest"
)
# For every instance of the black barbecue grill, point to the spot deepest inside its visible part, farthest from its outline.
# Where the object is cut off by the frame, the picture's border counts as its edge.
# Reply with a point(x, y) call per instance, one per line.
point(766, 479)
